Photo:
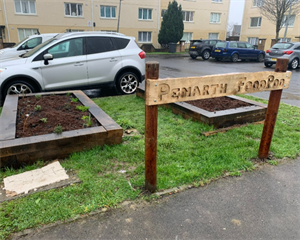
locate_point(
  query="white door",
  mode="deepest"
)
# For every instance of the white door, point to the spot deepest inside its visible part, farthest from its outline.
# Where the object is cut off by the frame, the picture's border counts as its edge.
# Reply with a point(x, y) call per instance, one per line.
point(68, 68)
point(103, 60)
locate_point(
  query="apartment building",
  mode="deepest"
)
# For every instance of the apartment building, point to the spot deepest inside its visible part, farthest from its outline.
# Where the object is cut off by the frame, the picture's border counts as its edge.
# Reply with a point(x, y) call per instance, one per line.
point(138, 18)
point(258, 30)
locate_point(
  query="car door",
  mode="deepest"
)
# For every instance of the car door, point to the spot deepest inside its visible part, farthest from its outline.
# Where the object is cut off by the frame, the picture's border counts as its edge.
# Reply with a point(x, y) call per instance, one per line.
point(68, 68)
point(103, 60)
point(242, 50)
point(251, 52)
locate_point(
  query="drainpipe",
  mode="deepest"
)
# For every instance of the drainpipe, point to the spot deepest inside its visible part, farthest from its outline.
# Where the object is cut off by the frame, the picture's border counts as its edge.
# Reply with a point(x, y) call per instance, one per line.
point(287, 23)
point(92, 8)
point(6, 20)
point(119, 16)
point(158, 22)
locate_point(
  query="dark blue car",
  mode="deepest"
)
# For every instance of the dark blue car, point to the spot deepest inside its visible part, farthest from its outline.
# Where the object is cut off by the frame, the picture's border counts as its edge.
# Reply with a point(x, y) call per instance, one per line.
point(234, 50)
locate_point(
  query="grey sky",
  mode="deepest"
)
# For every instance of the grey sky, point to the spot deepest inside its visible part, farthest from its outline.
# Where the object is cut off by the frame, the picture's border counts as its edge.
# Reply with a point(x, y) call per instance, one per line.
point(236, 11)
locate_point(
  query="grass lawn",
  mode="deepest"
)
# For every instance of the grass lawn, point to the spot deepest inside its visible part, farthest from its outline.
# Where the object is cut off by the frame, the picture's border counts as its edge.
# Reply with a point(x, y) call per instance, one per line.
point(183, 157)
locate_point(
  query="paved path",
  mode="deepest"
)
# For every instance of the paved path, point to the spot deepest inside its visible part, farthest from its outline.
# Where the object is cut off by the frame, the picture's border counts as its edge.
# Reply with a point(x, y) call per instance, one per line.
point(263, 204)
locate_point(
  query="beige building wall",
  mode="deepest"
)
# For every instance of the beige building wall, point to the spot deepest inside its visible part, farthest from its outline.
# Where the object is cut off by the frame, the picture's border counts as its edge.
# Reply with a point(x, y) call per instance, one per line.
point(50, 18)
point(267, 29)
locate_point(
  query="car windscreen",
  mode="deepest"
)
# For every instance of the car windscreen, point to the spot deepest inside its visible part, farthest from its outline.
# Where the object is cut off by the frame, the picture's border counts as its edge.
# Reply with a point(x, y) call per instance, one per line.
point(282, 45)
point(19, 43)
point(38, 47)
point(221, 44)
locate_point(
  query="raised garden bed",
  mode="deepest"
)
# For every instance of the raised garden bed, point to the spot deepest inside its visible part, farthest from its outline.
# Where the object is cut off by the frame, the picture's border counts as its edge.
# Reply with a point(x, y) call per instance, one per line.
point(18, 148)
point(235, 110)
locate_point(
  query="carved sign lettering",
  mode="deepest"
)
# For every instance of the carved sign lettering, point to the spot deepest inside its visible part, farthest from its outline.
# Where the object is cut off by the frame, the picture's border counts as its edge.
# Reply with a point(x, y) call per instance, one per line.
point(164, 91)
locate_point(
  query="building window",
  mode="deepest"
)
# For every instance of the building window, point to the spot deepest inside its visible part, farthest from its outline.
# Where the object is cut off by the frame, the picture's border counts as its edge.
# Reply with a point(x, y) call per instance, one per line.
point(145, 37)
point(145, 14)
point(255, 22)
point(290, 21)
point(163, 11)
point(215, 17)
point(253, 40)
point(73, 9)
point(25, 6)
point(188, 16)
point(284, 40)
point(217, 1)
point(213, 36)
point(25, 32)
point(187, 37)
point(258, 3)
point(74, 30)
point(107, 12)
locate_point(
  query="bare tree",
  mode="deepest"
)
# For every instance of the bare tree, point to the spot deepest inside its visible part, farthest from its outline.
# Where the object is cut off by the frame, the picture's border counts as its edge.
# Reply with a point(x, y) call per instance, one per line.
point(277, 11)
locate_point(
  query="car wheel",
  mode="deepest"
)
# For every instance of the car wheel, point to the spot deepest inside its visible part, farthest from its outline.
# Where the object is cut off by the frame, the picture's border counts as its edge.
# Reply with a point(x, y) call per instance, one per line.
point(294, 63)
point(19, 87)
point(234, 58)
point(206, 55)
point(193, 56)
point(260, 57)
point(127, 83)
point(268, 64)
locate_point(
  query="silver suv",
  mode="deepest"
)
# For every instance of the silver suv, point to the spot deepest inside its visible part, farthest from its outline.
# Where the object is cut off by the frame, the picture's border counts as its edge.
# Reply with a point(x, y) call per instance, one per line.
point(289, 50)
point(81, 60)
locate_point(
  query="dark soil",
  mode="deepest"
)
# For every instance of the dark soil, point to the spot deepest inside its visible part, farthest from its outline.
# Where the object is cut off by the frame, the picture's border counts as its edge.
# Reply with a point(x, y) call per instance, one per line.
point(218, 104)
point(57, 109)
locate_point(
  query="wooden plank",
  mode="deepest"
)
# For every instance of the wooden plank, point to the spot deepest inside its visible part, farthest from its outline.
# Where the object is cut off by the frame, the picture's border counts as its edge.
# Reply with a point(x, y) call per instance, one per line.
point(164, 91)
point(222, 130)
point(152, 71)
point(8, 119)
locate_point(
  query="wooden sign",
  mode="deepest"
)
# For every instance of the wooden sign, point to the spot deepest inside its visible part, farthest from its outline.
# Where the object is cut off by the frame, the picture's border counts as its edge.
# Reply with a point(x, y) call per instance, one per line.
point(164, 91)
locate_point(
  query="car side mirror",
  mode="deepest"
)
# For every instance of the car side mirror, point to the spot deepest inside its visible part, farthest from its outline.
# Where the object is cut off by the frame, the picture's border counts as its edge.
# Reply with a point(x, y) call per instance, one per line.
point(47, 57)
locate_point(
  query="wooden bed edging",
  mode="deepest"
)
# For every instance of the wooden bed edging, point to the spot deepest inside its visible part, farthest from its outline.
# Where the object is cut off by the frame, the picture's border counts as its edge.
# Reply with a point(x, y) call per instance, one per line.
point(19, 151)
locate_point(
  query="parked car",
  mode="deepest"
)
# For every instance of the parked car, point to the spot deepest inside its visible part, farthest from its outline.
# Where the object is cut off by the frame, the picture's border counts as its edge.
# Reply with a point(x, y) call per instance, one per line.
point(235, 50)
point(79, 60)
point(289, 50)
point(202, 48)
point(25, 45)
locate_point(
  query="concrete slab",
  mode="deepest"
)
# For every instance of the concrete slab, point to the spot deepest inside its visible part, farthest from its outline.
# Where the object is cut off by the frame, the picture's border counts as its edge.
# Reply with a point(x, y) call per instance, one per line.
point(53, 175)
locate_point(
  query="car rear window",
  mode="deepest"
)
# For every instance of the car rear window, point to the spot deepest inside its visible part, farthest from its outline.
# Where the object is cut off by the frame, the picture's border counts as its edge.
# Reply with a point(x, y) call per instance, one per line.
point(120, 43)
point(282, 45)
point(197, 42)
point(99, 45)
point(221, 44)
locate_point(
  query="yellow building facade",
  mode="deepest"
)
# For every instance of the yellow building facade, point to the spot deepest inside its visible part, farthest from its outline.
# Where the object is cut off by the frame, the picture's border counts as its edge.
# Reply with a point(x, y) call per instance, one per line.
point(258, 30)
point(138, 18)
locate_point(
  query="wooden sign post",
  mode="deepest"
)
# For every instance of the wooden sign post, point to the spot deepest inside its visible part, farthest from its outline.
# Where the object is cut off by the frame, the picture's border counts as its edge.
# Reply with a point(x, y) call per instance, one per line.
point(271, 115)
point(152, 72)
point(163, 91)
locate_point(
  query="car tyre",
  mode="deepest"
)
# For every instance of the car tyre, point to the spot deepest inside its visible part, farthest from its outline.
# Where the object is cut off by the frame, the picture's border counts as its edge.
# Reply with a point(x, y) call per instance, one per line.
point(260, 57)
point(127, 83)
point(268, 64)
point(205, 55)
point(234, 57)
point(193, 56)
point(19, 87)
point(294, 63)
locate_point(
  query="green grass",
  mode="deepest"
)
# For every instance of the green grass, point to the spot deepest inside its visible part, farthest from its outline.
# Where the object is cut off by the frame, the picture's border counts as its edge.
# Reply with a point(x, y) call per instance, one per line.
point(183, 157)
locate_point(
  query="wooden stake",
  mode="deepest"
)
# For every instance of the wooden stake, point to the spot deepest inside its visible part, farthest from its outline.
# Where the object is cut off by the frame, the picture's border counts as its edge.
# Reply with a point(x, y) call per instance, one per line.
point(152, 72)
point(271, 115)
